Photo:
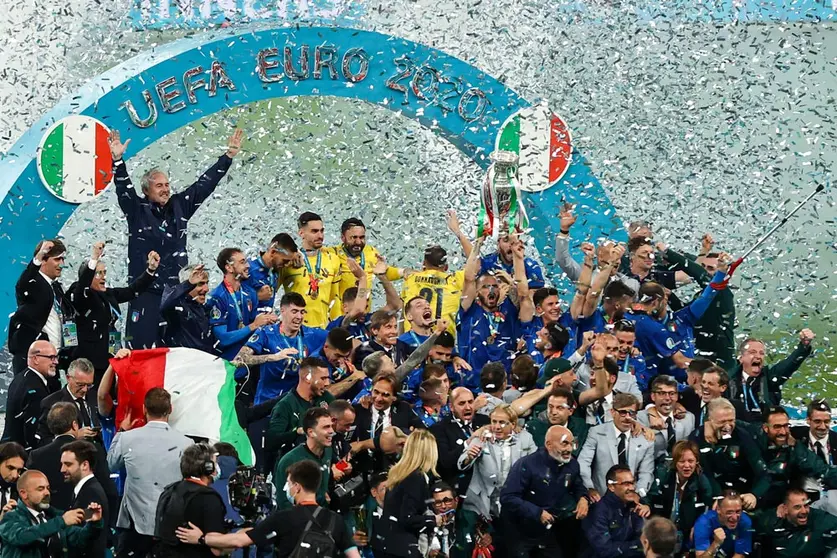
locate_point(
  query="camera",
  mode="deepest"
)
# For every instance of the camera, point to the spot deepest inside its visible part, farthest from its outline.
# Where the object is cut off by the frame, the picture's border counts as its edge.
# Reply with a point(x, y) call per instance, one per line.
point(250, 494)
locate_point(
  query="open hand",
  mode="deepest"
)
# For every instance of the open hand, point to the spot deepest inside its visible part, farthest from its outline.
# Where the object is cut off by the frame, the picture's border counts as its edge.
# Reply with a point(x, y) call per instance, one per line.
point(189, 535)
point(234, 143)
point(117, 148)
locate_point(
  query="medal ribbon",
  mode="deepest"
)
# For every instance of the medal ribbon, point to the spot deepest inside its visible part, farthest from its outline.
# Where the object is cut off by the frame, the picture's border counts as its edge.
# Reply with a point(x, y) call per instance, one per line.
point(362, 258)
point(236, 302)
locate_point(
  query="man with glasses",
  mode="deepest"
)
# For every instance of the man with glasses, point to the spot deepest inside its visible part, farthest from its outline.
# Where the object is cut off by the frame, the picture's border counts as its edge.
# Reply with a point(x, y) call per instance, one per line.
point(440, 542)
point(42, 306)
point(80, 377)
point(614, 526)
point(560, 407)
point(27, 390)
point(662, 418)
point(612, 444)
point(818, 435)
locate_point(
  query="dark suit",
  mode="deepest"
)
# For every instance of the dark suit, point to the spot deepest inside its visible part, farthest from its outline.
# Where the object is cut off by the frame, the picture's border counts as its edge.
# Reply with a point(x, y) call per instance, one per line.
point(401, 415)
point(23, 407)
point(34, 297)
point(97, 314)
point(406, 506)
point(450, 440)
point(800, 433)
point(91, 491)
point(64, 395)
point(48, 460)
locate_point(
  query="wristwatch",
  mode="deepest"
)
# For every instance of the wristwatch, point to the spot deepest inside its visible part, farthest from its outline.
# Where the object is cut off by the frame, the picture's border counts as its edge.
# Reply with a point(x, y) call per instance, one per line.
point(202, 540)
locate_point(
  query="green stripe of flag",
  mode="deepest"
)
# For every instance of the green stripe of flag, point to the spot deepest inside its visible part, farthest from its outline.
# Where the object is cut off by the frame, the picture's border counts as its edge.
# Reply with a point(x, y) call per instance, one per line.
point(52, 159)
point(510, 136)
point(231, 431)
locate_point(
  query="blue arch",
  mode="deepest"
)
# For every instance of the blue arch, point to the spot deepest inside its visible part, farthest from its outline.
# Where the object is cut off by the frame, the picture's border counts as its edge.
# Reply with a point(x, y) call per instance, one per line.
point(29, 212)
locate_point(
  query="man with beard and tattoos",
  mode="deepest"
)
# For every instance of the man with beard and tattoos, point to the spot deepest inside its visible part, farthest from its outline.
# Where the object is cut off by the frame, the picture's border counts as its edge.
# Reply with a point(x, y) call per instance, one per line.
point(489, 326)
point(353, 246)
point(266, 268)
point(728, 455)
point(318, 278)
point(754, 386)
point(232, 315)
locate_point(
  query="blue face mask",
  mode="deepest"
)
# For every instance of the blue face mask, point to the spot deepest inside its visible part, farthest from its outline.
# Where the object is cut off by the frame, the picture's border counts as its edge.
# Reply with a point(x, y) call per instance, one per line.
point(216, 474)
point(288, 494)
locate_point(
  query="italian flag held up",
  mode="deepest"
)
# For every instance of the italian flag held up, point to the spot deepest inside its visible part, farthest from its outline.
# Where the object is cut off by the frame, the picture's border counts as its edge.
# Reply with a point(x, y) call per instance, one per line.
point(202, 389)
point(74, 159)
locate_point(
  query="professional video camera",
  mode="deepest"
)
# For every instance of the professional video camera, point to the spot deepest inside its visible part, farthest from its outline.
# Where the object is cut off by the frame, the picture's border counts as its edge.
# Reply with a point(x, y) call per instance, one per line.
point(250, 494)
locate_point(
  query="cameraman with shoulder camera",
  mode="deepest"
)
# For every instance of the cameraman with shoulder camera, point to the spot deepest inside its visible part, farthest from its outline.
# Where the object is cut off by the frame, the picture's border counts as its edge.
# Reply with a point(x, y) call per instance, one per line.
point(191, 501)
point(305, 530)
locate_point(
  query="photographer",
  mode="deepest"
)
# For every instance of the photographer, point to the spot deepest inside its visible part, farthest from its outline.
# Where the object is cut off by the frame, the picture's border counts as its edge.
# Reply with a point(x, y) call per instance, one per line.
point(313, 530)
point(191, 501)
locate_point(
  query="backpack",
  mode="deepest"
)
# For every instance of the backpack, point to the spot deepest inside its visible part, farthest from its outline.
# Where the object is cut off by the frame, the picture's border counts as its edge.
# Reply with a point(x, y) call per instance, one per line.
point(171, 510)
point(316, 541)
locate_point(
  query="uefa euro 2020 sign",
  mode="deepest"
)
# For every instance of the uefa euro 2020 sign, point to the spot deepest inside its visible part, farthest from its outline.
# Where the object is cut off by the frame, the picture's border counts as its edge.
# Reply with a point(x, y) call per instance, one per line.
point(66, 154)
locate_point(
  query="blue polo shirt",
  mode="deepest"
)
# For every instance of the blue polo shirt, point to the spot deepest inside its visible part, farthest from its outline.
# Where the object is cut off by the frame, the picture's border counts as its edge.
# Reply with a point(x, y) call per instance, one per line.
point(358, 328)
point(487, 337)
point(407, 343)
point(261, 275)
point(230, 314)
point(533, 269)
point(410, 385)
point(655, 341)
point(738, 542)
point(278, 378)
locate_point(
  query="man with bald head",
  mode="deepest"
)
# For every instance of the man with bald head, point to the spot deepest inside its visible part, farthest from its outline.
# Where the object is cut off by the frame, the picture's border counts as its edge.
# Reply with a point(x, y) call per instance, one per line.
point(27, 390)
point(544, 497)
point(35, 528)
point(451, 434)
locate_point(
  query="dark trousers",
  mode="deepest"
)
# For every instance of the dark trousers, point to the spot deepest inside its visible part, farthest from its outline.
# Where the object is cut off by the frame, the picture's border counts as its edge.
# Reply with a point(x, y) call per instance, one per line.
point(131, 544)
point(143, 323)
point(256, 432)
point(519, 545)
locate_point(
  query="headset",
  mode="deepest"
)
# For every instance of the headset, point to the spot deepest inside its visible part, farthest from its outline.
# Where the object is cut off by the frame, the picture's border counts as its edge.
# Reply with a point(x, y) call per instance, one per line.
point(208, 466)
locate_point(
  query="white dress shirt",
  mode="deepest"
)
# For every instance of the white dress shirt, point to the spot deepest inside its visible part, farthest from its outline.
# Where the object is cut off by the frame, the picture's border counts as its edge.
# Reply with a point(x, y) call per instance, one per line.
point(52, 327)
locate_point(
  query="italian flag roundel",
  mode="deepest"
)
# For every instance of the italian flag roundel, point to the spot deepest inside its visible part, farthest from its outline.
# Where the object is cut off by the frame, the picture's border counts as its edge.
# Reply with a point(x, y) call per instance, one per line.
point(202, 389)
point(541, 140)
point(74, 159)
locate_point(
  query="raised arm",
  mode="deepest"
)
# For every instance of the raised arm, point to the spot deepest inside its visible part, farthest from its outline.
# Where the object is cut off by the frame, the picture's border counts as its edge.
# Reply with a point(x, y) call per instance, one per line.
point(472, 269)
point(420, 353)
point(192, 198)
point(597, 287)
point(782, 371)
point(393, 300)
point(527, 306)
point(172, 296)
point(141, 283)
point(82, 294)
point(126, 195)
point(583, 285)
point(358, 308)
point(562, 245)
point(601, 389)
point(454, 227)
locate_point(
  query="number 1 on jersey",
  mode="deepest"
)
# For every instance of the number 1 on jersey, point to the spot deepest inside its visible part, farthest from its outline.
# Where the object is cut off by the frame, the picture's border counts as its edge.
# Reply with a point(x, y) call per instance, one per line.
point(427, 294)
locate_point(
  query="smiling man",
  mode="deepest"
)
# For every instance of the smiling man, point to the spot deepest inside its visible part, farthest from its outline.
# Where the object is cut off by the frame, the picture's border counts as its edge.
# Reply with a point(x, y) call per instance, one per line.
point(319, 431)
point(794, 530)
point(727, 529)
point(729, 457)
point(158, 222)
point(755, 386)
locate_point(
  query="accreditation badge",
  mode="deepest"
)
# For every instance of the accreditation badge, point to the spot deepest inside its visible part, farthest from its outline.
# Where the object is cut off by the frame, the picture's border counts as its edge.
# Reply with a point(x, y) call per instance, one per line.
point(114, 341)
point(69, 334)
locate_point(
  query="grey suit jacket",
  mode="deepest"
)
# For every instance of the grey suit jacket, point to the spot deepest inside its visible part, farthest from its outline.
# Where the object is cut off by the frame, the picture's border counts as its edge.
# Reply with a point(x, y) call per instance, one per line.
point(599, 454)
point(682, 430)
point(487, 478)
point(151, 457)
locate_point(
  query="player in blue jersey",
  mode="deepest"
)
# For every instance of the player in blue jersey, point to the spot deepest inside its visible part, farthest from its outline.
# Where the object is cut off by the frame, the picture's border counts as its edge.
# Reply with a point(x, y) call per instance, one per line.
point(489, 327)
point(266, 268)
point(232, 305)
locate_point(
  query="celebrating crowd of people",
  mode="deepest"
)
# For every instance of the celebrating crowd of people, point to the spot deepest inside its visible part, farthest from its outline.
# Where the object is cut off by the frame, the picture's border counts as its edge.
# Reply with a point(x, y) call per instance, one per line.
point(474, 414)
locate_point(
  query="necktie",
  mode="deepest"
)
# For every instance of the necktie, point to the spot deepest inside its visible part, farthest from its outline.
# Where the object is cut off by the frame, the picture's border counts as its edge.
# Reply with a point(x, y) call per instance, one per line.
point(54, 548)
point(670, 437)
point(379, 425)
point(5, 493)
point(623, 449)
point(84, 415)
point(820, 452)
point(702, 414)
point(598, 411)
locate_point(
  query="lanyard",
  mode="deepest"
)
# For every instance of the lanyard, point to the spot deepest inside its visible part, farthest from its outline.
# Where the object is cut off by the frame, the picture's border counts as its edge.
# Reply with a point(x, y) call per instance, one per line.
point(750, 397)
point(627, 360)
point(270, 273)
point(415, 338)
point(675, 509)
point(362, 258)
point(300, 345)
point(494, 322)
point(236, 302)
point(317, 267)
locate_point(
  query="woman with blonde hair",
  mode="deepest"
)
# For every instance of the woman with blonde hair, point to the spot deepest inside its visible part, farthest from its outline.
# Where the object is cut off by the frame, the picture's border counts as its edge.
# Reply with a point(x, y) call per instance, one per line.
point(407, 513)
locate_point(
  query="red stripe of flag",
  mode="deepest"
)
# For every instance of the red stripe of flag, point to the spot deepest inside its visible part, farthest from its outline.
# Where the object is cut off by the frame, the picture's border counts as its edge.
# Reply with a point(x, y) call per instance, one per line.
point(104, 160)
